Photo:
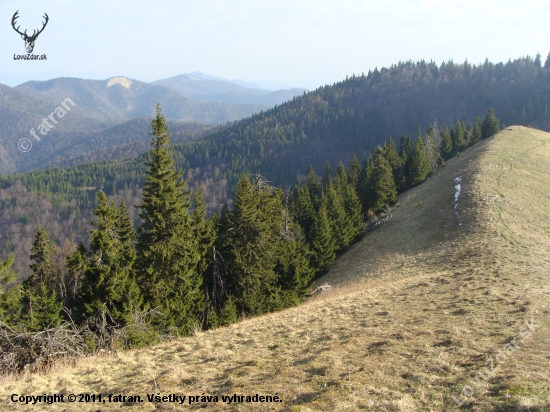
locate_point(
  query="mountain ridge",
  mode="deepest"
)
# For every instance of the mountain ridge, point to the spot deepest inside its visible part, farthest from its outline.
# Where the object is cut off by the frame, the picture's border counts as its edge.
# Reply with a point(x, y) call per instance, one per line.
point(114, 101)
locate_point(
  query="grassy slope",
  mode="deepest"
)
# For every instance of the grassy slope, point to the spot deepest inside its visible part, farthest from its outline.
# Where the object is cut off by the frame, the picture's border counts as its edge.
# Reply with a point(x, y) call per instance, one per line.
point(422, 303)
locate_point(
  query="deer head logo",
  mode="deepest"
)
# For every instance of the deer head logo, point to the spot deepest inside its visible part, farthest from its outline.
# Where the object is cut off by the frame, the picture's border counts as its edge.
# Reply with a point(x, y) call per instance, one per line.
point(29, 40)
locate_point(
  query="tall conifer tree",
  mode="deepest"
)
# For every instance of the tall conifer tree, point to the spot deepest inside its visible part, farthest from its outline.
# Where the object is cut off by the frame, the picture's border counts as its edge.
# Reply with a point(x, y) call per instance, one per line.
point(313, 186)
point(391, 155)
point(108, 281)
point(476, 132)
point(458, 138)
point(490, 125)
point(167, 250)
point(10, 299)
point(380, 187)
point(249, 248)
point(420, 166)
point(41, 304)
point(354, 173)
point(322, 241)
point(341, 225)
point(303, 209)
point(204, 231)
point(43, 269)
point(446, 144)
point(352, 205)
point(327, 176)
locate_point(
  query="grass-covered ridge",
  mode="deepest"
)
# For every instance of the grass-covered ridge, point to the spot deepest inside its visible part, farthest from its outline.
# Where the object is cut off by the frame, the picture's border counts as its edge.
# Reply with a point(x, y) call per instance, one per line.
point(422, 303)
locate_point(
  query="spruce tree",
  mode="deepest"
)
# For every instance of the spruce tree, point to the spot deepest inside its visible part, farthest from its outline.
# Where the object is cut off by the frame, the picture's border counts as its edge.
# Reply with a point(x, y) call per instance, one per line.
point(204, 231)
point(313, 186)
point(250, 250)
point(469, 134)
point(393, 159)
point(42, 308)
point(547, 62)
point(7, 275)
point(77, 263)
point(10, 299)
point(327, 176)
point(364, 185)
point(108, 281)
point(402, 147)
point(353, 208)
point(126, 233)
point(458, 138)
point(127, 265)
point(420, 167)
point(167, 254)
point(43, 269)
point(354, 173)
point(407, 162)
point(41, 304)
point(340, 222)
point(476, 132)
point(380, 185)
point(303, 209)
point(322, 241)
point(490, 126)
point(354, 221)
point(293, 265)
point(446, 144)
point(341, 181)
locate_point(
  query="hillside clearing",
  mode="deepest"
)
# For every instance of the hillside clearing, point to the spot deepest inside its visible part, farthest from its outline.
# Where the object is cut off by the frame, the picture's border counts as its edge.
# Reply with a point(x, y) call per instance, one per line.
point(419, 306)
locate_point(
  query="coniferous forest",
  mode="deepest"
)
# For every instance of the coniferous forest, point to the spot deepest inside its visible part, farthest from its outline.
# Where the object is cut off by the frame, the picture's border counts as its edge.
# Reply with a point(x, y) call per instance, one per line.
point(181, 270)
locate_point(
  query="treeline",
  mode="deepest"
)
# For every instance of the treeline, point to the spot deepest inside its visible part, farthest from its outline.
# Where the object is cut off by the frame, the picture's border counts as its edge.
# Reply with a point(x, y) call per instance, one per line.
point(181, 271)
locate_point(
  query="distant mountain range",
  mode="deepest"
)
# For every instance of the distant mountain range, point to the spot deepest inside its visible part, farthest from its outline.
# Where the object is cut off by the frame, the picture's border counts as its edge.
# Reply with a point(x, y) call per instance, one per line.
point(206, 88)
point(121, 98)
point(236, 81)
point(101, 105)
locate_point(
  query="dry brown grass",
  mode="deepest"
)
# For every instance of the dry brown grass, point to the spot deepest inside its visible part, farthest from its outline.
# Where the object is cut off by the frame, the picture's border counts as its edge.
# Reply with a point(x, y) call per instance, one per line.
point(421, 303)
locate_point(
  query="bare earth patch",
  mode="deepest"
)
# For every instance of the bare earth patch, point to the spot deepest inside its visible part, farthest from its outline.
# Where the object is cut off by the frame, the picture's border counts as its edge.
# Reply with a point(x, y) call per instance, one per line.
point(418, 307)
point(123, 81)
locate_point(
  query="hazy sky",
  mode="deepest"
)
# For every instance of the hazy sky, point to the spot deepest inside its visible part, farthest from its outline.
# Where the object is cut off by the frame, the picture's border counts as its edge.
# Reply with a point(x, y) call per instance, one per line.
point(297, 42)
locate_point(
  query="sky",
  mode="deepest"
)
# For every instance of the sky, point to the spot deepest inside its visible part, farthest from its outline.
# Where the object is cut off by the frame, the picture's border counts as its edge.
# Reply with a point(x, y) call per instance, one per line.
point(296, 43)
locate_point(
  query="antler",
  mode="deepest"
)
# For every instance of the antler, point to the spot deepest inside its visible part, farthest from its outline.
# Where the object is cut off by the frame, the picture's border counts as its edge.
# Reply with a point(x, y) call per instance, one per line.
point(43, 27)
point(15, 17)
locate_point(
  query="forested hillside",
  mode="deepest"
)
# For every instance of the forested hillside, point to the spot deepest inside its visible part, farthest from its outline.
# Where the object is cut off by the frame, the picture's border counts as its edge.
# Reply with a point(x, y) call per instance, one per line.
point(329, 124)
point(125, 140)
point(20, 112)
point(92, 124)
